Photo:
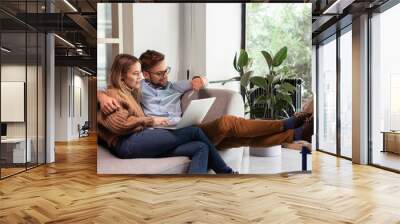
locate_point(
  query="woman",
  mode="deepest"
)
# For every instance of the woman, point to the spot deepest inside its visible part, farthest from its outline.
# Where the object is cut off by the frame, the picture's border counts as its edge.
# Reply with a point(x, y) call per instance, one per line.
point(128, 132)
point(224, 132)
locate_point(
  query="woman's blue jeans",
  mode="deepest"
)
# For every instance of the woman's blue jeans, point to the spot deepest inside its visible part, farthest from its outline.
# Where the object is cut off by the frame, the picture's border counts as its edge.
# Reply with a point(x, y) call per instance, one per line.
point(190, 141)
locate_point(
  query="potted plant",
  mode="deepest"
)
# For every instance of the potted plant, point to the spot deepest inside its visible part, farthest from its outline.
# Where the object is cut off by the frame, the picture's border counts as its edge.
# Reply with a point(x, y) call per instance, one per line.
point(271, 94)
point(267, 96)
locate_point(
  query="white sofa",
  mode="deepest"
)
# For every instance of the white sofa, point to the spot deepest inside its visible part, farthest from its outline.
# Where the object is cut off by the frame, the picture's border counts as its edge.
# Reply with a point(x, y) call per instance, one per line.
point(227, 103)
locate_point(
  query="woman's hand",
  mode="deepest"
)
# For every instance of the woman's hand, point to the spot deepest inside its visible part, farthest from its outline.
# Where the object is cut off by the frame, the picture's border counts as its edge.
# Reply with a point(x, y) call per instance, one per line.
point(160, 121)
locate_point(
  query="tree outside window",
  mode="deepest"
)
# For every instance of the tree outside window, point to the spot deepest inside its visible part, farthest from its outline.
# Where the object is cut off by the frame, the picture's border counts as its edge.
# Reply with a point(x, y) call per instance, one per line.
point(272, 26)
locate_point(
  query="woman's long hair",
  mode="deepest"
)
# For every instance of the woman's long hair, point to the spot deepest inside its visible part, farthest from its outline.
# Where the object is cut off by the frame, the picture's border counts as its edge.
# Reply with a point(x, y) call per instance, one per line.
point(119, 71)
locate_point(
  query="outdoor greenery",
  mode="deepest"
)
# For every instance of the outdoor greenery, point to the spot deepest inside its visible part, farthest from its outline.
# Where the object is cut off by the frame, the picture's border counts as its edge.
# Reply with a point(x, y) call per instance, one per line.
point(271, 26)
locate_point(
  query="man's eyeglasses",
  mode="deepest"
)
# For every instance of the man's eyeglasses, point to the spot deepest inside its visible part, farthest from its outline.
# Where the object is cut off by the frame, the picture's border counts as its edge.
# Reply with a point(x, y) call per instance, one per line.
point(161, 73)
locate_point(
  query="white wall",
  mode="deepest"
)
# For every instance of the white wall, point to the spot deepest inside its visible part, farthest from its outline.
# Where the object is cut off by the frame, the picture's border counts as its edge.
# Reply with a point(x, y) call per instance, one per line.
point(193, 37)
point(80, 103)
point(196, 34)
point(70, 83)
point(223, 38)
point(16, 73)
point(158, 27)
point(212, 40)
point(61, 103)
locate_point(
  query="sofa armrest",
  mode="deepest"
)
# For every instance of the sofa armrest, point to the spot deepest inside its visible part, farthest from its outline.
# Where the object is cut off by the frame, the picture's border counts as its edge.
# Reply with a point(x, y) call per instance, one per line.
point(227, 102)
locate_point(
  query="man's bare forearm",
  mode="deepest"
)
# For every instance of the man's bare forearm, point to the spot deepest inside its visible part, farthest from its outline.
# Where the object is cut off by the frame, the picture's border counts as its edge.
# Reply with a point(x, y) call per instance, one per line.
point(100, 93)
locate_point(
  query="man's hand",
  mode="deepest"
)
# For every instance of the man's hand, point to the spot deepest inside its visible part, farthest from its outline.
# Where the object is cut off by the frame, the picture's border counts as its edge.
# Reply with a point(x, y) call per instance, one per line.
point(199, 83)
point(107, 104)
point(160, 121)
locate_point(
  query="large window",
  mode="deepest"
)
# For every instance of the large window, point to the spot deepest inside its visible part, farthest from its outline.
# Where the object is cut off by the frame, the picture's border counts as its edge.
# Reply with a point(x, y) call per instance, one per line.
point(272, 26)
point(335, 108)
point(327, 96)
point(385, 89)
point(346, 93)
point(108, 40)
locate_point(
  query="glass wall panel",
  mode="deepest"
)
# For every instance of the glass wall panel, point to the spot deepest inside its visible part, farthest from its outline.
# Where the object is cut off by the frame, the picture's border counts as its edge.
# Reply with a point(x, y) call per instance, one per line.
point(22, 107)
point(385, 84)
point(13, 153)
point(327, 96)
point(13, 86)
point(346, 94)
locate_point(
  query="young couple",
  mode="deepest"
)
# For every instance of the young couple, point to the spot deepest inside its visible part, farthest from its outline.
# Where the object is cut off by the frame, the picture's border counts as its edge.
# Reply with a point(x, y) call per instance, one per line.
point(130, 107)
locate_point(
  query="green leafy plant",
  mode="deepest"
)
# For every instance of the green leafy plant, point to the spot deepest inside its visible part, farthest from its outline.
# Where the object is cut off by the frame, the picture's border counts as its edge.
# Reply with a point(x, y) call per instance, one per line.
point(242, 64)
point(276, 90)
point(275, 98)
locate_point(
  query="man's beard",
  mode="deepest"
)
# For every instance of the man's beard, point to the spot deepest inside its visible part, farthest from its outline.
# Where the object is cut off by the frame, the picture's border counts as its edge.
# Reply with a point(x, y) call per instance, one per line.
point(159, 85)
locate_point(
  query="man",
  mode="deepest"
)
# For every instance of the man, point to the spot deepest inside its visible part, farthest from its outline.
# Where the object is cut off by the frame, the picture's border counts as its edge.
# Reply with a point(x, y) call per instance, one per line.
point(160, 97)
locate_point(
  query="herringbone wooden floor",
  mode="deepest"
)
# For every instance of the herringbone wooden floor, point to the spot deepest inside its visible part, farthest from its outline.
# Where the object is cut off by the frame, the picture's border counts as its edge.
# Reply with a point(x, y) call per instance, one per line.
point(70, 191)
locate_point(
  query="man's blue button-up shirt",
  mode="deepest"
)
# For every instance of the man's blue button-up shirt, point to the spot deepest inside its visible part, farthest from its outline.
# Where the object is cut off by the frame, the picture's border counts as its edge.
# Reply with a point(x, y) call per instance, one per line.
point(164, 101)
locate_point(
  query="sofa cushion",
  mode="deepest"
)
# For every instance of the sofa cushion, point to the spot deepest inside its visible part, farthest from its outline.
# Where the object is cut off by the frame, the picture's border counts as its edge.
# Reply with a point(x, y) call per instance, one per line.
point(107, 163)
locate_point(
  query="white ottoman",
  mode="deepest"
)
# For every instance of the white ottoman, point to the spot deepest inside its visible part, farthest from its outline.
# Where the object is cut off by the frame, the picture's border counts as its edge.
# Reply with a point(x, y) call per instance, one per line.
point(271, 151)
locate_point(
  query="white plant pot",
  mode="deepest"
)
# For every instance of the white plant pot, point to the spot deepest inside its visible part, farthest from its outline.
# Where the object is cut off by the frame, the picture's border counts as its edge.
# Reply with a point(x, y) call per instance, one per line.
point(271, 151)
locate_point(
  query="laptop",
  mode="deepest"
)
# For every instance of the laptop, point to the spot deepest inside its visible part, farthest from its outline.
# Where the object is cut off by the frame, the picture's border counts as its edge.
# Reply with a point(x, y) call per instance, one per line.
point(194, 114)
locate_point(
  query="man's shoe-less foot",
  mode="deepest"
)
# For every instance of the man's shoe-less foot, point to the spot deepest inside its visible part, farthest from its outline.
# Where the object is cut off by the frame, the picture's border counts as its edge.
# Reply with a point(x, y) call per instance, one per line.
point(304, 132)
point(297, 120)
point(308, 131)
